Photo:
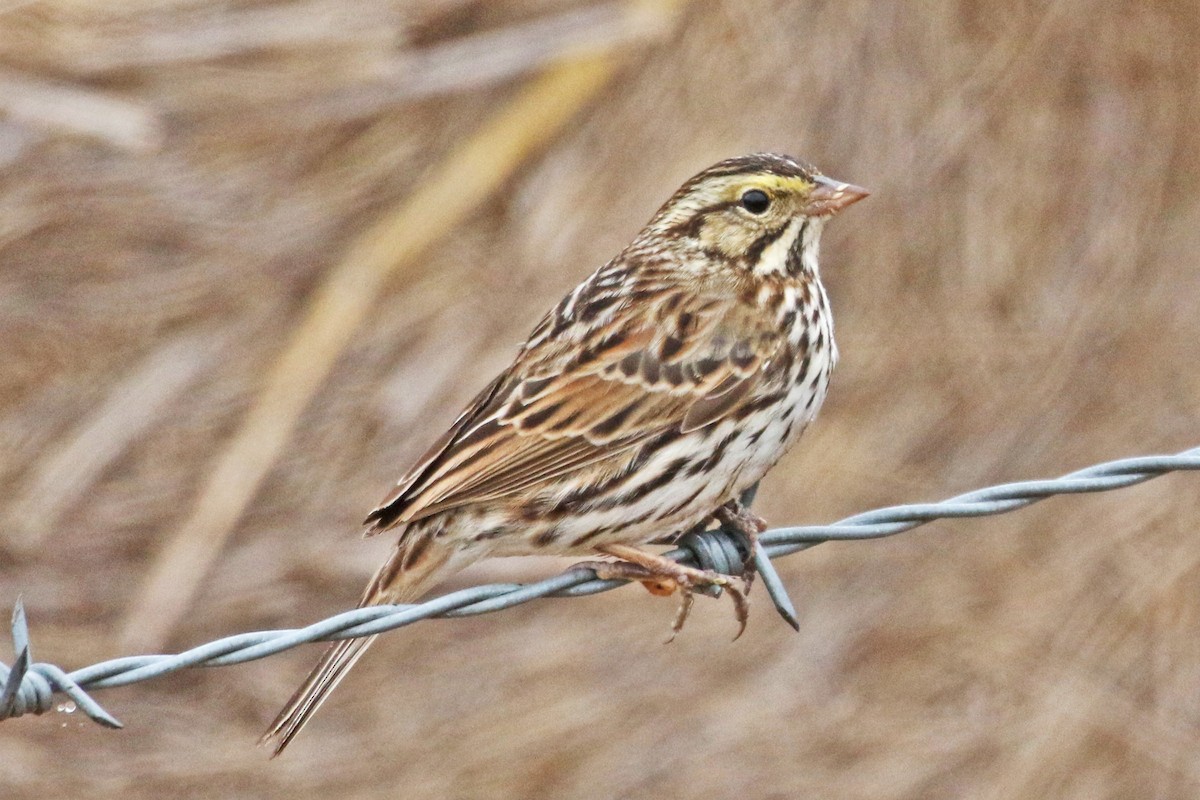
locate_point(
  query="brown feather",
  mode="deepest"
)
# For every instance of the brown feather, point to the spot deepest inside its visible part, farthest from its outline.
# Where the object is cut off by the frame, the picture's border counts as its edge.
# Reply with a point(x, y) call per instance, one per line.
point(595, 437)
point(415, 564)
point(379, 520)
point(555, 415)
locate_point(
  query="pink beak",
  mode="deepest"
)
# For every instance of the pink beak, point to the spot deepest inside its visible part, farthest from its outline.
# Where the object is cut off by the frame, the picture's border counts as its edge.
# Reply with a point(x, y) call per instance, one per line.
point(830, 196)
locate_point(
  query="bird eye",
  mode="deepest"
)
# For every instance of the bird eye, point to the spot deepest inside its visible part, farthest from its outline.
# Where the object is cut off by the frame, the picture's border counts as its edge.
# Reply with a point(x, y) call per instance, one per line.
point(755, 201)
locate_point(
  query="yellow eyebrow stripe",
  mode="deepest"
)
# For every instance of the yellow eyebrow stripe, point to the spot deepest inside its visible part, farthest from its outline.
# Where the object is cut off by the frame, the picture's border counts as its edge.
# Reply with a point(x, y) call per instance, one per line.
point(772, 184)
point(779, 182)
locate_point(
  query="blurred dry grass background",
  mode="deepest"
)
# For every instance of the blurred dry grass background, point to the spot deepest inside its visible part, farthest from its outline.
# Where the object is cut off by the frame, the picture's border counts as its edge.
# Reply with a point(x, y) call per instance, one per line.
point(1018, 298)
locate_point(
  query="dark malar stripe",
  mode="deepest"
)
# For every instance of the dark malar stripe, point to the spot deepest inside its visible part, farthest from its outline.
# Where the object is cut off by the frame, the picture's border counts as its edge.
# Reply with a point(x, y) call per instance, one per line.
point(755, 250)
point(795, 258)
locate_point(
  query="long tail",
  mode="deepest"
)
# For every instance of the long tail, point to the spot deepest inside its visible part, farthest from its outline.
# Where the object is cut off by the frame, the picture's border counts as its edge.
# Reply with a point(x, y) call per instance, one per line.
point(413, 567)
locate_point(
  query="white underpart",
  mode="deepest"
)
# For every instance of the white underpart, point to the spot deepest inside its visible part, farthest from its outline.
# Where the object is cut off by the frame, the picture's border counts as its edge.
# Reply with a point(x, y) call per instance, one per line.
point(757, 443)
point(760, 440)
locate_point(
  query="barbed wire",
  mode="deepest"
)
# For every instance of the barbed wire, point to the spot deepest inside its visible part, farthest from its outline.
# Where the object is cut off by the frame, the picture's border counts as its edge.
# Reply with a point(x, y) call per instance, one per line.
point(29, 688)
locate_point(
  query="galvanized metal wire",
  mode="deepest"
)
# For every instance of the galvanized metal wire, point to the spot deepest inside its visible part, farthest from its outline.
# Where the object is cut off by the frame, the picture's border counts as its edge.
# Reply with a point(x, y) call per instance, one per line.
point(30, 687)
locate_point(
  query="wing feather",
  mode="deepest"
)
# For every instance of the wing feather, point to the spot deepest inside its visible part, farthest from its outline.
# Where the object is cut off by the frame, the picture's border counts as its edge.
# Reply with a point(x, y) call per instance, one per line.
point(573, 401)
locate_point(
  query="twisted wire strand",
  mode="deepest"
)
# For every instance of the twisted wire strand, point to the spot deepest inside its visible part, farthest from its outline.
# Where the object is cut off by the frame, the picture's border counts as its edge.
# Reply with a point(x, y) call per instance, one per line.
point(29, 687)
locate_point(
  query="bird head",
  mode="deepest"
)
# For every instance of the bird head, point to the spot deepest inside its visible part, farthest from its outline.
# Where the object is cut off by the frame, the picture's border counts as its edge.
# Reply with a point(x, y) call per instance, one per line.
point(764, 211)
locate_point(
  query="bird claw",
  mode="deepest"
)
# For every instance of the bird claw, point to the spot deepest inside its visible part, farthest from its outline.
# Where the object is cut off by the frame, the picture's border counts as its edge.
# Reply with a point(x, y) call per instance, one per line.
point(662, 577)
point(737, 518)
point(700, 578)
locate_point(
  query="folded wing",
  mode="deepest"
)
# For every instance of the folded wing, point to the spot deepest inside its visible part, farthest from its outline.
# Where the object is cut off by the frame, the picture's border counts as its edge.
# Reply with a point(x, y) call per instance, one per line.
point(672, 363)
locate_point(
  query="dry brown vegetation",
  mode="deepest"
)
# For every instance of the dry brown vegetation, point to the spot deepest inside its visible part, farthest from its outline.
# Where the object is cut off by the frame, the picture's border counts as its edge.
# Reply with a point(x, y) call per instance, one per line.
point(1018, 298)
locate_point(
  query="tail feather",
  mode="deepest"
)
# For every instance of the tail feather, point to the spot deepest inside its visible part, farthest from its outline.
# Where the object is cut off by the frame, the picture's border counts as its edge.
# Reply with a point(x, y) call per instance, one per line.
point(414, 566)
point(315, 690)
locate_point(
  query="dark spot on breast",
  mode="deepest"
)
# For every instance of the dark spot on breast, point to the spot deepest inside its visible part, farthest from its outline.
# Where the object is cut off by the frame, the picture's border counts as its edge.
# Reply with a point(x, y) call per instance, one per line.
point(589, 536)
point(630, 364)
point(638, 520)
point(805, 363)
point(714, 457)
point(657, 482)
point(760, 402)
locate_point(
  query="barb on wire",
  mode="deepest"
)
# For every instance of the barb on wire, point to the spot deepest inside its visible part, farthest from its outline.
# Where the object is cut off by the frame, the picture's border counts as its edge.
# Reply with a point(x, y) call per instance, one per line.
point(29, 687)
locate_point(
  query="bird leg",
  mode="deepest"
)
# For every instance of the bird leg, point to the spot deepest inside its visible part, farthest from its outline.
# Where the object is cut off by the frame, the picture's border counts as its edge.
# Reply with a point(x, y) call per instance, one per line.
point(735, 517)
point(663, 576)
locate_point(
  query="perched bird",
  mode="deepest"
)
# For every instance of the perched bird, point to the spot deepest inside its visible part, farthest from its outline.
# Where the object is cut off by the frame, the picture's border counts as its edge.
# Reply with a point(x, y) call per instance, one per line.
point(641, 406)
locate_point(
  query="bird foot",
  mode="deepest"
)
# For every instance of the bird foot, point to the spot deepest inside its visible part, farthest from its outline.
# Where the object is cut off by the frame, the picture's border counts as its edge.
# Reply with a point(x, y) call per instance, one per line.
point(735, 517)
point(662, 576)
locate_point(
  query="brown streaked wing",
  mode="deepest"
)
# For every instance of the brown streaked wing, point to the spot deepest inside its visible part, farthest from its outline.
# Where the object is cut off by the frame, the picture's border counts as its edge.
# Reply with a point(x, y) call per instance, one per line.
point(423, 463)
point(567, 405)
